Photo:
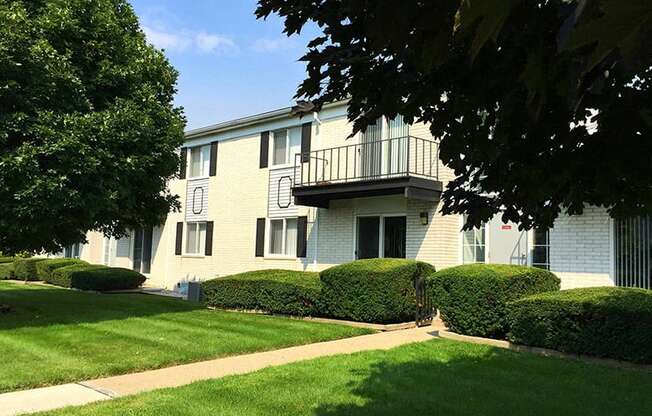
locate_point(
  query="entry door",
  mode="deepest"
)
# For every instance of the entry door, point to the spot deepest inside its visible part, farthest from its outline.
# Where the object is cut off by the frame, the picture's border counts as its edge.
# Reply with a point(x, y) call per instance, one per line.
point(381, 237)
point(368, 237)
point(142, 255)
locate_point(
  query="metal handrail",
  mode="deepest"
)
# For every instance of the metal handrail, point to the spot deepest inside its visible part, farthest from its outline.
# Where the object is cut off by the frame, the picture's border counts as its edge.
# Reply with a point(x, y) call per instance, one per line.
point(377, 159)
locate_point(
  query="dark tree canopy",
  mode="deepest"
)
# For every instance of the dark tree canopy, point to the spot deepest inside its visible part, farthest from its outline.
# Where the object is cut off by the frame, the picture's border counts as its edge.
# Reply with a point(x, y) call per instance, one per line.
point(507, 86)
point(88, 132)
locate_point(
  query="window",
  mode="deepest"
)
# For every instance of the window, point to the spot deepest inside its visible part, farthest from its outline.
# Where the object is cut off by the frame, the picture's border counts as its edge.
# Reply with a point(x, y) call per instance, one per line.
point(196, 237)
point(633, 252)
point(285, 144)
point(473, 245)
point(72, 251)
point(283, 236)
point(381, 236)
point(200, 159)
point(541, 249)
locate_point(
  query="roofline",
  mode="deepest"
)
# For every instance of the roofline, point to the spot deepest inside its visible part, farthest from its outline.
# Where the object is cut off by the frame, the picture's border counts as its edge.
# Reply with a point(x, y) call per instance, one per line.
point(246, 121)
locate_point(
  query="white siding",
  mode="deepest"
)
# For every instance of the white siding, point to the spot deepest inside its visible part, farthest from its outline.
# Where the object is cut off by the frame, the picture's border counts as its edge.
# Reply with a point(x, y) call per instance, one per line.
point(280, 202)
point(197, 200)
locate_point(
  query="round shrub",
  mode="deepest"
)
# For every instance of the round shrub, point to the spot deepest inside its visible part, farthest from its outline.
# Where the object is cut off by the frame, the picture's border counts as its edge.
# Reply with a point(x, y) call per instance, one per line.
point(96, 277)
point(373, 290)
point(609, 322)
point(45, 268)
point(472, 299)
point(25, 269)
point(276, 291)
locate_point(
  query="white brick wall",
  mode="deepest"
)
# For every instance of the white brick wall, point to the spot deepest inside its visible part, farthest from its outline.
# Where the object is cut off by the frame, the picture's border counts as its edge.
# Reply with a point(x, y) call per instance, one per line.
point(580, 249)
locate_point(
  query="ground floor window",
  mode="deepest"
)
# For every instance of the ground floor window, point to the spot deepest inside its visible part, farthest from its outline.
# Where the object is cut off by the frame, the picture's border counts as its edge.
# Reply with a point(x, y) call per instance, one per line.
point(283, 236)
point(633, 252)
point(474, 244)
point(541, 249)
point(195, 237)
point(380, 236)
point(72, 251)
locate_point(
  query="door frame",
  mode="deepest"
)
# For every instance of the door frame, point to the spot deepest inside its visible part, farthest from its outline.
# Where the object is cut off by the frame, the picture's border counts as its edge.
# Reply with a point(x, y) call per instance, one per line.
point(381, 231)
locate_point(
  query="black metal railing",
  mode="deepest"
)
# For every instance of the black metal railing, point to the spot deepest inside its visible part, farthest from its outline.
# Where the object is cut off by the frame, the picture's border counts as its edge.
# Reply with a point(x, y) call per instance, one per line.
point(373, 160)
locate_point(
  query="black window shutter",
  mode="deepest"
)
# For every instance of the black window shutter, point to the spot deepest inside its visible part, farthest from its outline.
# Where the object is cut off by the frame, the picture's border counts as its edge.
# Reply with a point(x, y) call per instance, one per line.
point(264, 149)
point(184, 162)
point(260, 237)
point(306, 131)
point(177, 246)
point(302, 236)
point(212, 170)
point(209, 239)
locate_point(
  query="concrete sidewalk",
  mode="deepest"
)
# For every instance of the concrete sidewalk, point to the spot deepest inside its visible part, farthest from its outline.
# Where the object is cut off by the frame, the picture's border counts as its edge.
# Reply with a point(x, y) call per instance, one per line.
point(55, 397)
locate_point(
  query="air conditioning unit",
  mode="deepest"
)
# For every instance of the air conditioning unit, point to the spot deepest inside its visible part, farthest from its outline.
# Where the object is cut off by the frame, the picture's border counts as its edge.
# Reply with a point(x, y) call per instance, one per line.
point(194, 291)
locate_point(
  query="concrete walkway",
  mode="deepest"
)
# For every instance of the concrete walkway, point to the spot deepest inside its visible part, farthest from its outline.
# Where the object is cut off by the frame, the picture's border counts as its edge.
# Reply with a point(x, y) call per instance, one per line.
point(55, 397)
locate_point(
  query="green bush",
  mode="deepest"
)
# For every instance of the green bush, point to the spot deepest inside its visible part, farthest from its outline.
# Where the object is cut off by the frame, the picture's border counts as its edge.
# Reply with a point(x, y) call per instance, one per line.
point(472, 299)
point(45, 268)
point(608, 322)
point(96, 277)
point(6, 271)
point(276, 291)
point(25, 269)
point(4, 260)
point(373, 290)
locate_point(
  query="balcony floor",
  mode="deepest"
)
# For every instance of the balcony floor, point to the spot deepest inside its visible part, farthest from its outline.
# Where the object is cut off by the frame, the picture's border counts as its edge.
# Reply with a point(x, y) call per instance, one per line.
point(412, 187)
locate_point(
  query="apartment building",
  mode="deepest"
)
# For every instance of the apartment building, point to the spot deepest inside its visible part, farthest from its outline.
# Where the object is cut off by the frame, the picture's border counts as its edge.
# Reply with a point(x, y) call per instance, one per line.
point(276, 190)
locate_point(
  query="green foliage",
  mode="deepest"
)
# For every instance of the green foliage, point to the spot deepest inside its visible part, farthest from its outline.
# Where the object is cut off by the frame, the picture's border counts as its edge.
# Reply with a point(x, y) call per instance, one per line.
point(276, 291)
point(96, 277)
point(6, 260)
point(88, 130)
point(472, 299)
point(6, 271)
point(509, 84)
point(45, 268)
point(606, 322)
point(374, 290)
point(25, 269)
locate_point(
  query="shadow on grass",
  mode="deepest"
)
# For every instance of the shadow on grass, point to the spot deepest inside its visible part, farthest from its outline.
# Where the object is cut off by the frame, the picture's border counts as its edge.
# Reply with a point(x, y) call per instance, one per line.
point(495, 382)
point(34, 306)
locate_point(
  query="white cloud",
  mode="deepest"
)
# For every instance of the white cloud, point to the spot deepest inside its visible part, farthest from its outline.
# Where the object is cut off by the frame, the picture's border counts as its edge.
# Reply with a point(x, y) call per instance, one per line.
point(267, 45)
point(208, 42)
point(184, 40)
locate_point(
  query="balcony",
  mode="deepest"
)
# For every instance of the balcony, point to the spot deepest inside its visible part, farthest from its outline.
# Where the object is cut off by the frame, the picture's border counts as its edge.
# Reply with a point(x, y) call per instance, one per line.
point(405, 166)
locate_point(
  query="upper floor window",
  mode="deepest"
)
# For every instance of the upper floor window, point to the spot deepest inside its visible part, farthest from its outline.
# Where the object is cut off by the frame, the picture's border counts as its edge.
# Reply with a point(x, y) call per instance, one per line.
point(541, 248)
point(474, 245)
point(200, 159)
point(285, 144)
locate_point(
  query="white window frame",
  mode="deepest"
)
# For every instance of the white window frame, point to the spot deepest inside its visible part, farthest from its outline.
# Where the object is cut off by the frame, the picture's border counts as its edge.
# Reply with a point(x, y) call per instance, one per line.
point(461, 244)
point(202, 162)
point(200, 246)
point(381, 232)
point(268, 239)
point(289, 156)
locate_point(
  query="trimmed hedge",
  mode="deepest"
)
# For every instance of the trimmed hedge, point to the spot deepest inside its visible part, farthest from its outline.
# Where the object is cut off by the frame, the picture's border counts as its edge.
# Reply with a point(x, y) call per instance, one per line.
point(609, 322)
point(25, 269)
point(275, 291)
point(96, 277)
point(373, 290)
point(4, 260)
point(45, 268)
point(472, 299)
point(6, 271)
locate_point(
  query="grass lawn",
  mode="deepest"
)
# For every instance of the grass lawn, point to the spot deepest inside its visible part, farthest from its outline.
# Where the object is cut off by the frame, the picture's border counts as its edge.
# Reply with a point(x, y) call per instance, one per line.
point(438, 377)
point(54, 336)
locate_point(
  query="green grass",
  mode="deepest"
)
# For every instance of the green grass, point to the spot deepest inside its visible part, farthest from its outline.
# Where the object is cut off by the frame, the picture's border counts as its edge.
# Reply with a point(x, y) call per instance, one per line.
point(439, 377)
point(55, 335)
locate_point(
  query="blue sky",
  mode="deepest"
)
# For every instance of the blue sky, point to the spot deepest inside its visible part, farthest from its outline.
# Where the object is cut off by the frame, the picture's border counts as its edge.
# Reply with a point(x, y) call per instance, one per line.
point(230, 64)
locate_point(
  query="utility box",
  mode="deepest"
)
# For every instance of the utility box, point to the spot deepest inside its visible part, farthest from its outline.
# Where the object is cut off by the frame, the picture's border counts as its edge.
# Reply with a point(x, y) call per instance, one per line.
point(194, 292)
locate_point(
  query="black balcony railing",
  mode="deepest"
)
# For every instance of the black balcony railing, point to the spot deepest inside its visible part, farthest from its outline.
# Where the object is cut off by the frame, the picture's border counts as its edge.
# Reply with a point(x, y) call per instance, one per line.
point(368, 161)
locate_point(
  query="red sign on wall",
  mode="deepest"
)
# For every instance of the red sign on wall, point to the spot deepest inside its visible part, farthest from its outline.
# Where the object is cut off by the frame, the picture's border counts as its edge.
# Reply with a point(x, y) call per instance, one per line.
point(506, 227)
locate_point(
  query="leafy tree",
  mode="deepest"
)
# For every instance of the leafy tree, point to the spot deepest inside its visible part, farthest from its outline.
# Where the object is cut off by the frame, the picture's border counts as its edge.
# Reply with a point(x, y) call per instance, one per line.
point(88, 131)
point(508, 86)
